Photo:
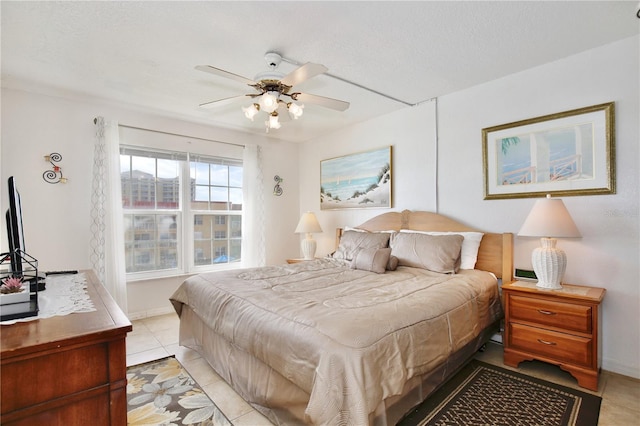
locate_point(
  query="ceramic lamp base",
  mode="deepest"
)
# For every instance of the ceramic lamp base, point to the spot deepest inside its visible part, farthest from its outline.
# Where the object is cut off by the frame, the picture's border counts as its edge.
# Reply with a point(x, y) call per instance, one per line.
point(308, 246)
point(549, 264)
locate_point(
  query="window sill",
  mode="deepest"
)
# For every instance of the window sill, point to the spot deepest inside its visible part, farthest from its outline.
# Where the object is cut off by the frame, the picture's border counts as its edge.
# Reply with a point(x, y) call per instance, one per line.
point(131, 279)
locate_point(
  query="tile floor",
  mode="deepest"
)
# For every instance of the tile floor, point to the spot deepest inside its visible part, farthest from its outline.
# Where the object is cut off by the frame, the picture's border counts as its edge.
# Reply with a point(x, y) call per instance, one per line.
point(157, 337)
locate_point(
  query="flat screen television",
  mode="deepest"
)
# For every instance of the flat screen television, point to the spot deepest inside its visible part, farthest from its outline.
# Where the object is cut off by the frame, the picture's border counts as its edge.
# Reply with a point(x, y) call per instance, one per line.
point(15, 231)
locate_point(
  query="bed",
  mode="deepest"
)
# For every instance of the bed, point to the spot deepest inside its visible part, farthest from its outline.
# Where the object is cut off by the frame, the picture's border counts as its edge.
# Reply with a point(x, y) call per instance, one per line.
point(356, 338)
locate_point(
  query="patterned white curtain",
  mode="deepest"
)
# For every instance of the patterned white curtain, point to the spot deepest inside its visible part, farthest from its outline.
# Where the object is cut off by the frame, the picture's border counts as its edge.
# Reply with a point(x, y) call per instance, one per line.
point(107, 229)
point(253, 221)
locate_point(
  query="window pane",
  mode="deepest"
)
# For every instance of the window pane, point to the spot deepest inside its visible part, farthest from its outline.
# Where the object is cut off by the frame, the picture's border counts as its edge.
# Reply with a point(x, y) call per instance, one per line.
point(125, 178)
point(200, 173)
point(219, 174)
point(144, 165)
point(235, 196)
point(168, 169)
point(235, 176)
point(168, 195)
point(150, 242)
point(219, 198)
point(217, 239)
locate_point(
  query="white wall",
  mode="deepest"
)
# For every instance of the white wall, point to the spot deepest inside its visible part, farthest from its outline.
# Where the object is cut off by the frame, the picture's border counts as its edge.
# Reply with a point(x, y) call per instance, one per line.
point(608, 254)
point(410, 132)
point(57, 217)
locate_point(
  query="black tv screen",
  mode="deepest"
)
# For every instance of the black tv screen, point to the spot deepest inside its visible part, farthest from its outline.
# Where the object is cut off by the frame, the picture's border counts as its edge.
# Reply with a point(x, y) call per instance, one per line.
point(15, 232)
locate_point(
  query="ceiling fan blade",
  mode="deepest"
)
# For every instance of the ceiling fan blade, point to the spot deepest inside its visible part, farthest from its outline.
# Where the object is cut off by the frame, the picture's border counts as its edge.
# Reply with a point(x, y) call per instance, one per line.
point(303, 73)
point(221, 102)
point(226, 74)
point(283, 113)
point(321, 100)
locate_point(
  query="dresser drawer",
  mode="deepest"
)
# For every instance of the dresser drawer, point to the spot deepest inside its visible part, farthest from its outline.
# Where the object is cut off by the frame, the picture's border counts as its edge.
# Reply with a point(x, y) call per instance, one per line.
point(567, 316)
point(559, 346)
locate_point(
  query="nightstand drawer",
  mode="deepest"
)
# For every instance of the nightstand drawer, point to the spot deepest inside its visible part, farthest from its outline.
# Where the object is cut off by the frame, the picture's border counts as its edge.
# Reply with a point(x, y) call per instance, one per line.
point(567, 316)
point(559, 346)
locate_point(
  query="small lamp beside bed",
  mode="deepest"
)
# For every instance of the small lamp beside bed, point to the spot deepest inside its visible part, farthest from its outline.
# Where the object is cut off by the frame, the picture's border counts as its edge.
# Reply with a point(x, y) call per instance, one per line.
point(308, 225)
point(549, 219)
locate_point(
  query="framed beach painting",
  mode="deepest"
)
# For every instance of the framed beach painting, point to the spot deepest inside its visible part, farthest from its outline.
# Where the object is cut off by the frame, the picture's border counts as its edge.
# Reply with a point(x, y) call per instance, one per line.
point(356, 181)
point(567, 153)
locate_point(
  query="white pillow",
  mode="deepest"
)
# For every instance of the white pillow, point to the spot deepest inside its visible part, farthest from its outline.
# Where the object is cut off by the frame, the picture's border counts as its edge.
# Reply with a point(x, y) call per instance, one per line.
point(470, 245)
point(349, 228)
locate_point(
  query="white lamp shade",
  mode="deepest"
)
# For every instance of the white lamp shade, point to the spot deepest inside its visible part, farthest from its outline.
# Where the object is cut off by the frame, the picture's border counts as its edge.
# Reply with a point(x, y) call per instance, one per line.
point(549, 218)
point(308, 224)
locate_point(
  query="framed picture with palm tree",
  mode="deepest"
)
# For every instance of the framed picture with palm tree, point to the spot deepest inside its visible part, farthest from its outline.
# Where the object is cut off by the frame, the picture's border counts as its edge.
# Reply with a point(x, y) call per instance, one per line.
point(566, 153)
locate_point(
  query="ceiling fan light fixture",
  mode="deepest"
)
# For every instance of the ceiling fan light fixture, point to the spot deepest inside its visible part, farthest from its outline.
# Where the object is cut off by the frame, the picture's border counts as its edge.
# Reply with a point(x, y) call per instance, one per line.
point(251, 111)
point(269, 101)
point(295, 110)
point(273, 122)
point(273, 91)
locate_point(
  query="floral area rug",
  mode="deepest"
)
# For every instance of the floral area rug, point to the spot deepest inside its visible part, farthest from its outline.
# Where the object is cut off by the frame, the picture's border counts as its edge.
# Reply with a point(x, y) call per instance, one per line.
point(163, 393)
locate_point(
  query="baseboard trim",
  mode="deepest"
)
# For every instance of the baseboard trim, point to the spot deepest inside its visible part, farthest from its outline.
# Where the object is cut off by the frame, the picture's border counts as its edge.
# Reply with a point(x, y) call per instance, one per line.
point(150, 313)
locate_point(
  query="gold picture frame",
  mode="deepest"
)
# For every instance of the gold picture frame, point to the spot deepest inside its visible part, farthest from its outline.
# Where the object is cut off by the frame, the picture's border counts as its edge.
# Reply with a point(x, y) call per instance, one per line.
point(566, 153)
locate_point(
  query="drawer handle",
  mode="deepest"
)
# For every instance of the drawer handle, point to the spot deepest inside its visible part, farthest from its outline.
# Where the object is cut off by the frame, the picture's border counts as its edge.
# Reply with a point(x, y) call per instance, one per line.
point(545, 342)
point(543, 312)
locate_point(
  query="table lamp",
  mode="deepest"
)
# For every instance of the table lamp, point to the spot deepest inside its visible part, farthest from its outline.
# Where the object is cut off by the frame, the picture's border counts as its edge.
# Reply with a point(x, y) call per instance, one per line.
point(308, 224)
point(549, 219)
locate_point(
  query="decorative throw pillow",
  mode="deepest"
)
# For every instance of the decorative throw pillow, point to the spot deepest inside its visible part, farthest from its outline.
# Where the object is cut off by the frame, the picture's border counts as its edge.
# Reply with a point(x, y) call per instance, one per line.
point(352, 241)
point(470, 245)
point(371, 259)
point(437, 253)
point(392, 265)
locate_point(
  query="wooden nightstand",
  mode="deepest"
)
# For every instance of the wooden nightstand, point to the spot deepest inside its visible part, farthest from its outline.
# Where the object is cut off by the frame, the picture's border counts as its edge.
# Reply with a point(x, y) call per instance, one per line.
point(556, 326)
point(300, 260)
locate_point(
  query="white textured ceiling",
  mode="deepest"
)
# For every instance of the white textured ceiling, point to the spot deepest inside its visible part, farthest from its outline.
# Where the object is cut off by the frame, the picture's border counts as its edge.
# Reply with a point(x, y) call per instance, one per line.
point(144, 53)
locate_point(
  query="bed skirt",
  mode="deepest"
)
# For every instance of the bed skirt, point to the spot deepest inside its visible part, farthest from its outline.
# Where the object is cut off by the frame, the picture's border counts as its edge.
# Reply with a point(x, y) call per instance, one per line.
point(284, 403)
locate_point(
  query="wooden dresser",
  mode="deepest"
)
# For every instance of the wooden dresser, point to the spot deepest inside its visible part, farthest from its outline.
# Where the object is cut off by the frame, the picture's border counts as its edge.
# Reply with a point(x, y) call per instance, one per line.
point(66, 370)
point(559, 326)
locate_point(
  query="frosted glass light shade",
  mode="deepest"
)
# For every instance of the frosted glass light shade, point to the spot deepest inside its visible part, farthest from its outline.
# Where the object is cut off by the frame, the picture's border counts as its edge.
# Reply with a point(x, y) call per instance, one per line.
point(269, 101)
point(251, 111)
point(273, 122)
point(295, 110)
point(549, 218)
point(308, 224)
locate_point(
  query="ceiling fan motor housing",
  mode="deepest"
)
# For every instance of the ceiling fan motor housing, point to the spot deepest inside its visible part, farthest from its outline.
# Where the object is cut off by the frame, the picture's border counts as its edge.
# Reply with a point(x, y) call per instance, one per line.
point(273, 59)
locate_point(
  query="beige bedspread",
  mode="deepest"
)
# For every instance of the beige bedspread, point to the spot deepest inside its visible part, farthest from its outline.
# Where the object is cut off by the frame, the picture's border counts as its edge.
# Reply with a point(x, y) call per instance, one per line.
point(349, 338)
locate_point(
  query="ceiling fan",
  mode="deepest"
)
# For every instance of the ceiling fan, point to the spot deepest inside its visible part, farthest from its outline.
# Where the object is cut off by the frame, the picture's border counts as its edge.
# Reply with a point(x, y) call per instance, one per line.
point(274, 93)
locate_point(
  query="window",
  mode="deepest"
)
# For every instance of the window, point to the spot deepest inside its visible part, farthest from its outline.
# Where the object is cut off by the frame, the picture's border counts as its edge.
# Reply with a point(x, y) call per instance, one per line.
point(182, 212)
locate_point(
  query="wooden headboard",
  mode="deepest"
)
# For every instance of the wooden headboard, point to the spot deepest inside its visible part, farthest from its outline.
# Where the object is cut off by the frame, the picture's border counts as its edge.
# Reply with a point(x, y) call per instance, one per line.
point(494, 255)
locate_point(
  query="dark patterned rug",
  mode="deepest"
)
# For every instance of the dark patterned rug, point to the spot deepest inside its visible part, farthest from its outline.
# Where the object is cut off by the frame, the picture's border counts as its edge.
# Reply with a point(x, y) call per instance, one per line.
point(163, 393)
point(483, 394)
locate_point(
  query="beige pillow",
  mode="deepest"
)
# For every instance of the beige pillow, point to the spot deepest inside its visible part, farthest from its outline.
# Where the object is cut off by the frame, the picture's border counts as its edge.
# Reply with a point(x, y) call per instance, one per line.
point(470, 246)
point(352, 241)
point(371, 259)
point(437, 253)
point(392, 265)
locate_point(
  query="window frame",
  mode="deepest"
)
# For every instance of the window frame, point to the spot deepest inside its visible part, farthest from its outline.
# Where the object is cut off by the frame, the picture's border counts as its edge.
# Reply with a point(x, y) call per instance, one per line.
point(185, 215)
